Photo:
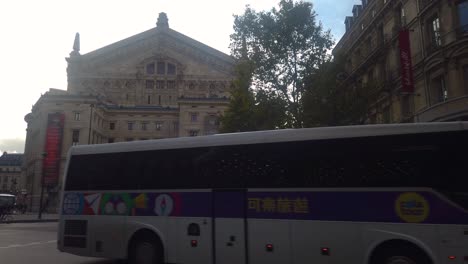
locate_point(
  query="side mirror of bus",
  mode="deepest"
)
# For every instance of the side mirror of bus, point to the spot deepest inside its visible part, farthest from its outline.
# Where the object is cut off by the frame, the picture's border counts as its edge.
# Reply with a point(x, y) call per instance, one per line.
point(193, 229)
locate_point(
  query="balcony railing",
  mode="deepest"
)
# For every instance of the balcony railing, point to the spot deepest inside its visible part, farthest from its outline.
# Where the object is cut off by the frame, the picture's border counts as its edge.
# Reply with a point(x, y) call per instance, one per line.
point(438, 40)
point(424, 3)
point(445, 110)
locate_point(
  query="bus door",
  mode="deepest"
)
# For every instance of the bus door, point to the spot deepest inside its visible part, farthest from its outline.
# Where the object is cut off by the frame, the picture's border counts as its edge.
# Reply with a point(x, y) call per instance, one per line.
point(229, 226)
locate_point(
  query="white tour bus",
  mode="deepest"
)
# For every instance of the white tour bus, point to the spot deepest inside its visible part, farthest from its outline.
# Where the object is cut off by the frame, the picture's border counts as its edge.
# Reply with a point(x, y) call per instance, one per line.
point(380, 194)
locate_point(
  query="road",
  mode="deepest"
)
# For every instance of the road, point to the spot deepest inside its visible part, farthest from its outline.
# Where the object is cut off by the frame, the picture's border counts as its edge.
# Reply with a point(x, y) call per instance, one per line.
point(36, 243)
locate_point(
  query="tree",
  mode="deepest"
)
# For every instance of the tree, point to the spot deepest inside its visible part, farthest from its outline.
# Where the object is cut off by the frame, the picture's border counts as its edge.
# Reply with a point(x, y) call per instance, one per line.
point(269, 111)
point(331, 101)
point(239, 117)
point(248, 111)
point(284, 45)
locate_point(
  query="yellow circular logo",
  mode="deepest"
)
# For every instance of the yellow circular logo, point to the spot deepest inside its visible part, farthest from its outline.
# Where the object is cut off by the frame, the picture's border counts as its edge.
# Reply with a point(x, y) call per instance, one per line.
point(411, 207)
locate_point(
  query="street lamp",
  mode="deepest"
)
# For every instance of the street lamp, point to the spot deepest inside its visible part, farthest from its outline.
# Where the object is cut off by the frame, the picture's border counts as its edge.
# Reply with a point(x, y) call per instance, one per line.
point(44, 155)
point(90, 123)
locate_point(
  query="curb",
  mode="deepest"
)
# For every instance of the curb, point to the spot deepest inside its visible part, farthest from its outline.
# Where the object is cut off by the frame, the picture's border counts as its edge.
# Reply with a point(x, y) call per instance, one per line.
point(29, 221)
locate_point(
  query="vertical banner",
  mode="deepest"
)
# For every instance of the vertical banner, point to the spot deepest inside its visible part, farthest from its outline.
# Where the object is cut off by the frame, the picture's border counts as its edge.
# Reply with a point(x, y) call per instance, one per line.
point(407, 80)
point(53, 144)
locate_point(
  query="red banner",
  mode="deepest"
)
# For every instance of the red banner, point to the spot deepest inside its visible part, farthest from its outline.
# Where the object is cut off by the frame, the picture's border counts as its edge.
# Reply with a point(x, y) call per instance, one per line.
point(407, 80)
point(52, 149)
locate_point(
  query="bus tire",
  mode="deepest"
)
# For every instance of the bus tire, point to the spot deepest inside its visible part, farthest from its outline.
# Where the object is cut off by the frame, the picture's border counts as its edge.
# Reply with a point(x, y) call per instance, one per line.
point(145, 248)
point(399, 252)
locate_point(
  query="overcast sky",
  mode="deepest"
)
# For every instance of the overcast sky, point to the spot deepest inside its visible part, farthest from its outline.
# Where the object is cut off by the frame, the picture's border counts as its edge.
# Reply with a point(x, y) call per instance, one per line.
point(38, 35)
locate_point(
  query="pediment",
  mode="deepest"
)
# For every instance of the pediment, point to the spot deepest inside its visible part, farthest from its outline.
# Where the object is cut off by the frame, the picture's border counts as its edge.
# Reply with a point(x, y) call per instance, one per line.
point(128, 56)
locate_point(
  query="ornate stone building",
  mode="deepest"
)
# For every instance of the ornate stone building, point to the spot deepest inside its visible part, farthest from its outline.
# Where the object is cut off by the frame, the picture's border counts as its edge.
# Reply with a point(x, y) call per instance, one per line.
point(415, 52)
point(156, 84)
point(10, 172)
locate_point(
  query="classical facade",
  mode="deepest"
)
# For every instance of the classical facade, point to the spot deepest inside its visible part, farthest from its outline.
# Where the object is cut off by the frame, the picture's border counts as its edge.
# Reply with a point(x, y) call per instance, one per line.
point(415, 52)
point(156, 84)
point(10, 172)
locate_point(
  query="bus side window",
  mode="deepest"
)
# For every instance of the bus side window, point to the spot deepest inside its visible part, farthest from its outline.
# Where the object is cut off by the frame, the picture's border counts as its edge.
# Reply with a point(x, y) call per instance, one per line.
point(223, 166)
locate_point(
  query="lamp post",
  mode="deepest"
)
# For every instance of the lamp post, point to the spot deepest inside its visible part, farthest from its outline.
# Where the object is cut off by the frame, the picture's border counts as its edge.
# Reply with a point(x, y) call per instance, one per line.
point(90, 123)
point(44, 155)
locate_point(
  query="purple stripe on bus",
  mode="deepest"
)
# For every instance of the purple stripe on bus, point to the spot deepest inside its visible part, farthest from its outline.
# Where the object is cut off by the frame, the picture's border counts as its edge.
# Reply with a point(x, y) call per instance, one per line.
point(399, 207)
point(420, 207)
point(229, 204)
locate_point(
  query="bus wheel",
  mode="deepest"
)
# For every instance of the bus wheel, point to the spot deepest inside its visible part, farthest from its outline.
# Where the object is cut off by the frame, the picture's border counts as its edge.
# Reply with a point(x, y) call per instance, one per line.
point(145, 249)
point(401, 253)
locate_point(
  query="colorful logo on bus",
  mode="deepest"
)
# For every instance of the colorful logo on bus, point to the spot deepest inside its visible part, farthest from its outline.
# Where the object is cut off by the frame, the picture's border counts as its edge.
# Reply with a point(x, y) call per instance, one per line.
point(412, 207)
point(163, 205)
point(92, 203)
point(72, 204)
point(116, 204)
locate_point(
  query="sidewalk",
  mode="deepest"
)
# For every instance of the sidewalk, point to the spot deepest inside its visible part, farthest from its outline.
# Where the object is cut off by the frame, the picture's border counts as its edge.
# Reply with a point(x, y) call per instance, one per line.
point(31, 218)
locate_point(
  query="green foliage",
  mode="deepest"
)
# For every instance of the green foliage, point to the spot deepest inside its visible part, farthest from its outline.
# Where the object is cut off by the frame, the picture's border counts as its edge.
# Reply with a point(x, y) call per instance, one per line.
point(269, 111)
point(328, 102)
point(238, 117)
point(248, 111)
point(284, 45)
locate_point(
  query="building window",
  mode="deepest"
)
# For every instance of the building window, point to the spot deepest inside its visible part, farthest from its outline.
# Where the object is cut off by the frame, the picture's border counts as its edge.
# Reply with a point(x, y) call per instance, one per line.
point(110, 140)
point(149, 84)
point(77, 116)
point(144, 126)
point(440, 89)
point(130, 125)
point(386, 119)
point(405, 105)
point(75, 137)
point(463, 15)
point(159, 84)
point(149, 99)
point(435, 32)
point(370, 76)
point(193, 133)
point(193, 117)
point(159, 100)
point(112, 125)
point(402, 16)
point(212, 121)
point(170, 84)
point(171, 69)
point(161, 67)
point(150, 68)
point(159, 126)
point(191, 86)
